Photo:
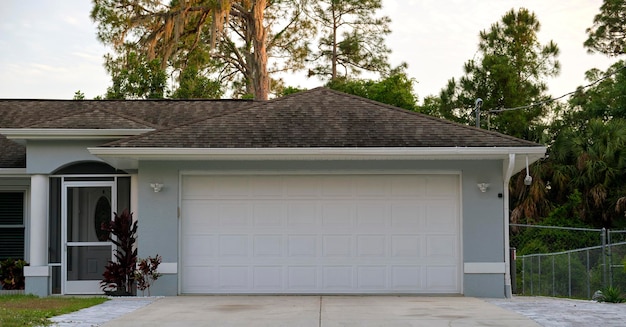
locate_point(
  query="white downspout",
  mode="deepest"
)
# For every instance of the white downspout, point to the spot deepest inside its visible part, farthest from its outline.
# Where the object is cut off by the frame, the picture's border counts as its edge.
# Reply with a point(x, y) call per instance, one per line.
point(508, 293)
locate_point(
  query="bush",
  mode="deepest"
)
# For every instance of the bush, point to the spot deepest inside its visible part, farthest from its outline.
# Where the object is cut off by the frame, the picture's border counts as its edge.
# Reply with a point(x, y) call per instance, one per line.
point(12, 274)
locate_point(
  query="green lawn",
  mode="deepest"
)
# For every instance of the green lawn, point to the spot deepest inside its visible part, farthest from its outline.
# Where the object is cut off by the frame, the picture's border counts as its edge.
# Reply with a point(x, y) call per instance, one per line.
point(30, 310)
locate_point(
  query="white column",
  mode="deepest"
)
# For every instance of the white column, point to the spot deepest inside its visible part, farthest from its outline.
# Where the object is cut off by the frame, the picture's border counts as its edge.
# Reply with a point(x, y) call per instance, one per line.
point(39, 187)
point(134, 196)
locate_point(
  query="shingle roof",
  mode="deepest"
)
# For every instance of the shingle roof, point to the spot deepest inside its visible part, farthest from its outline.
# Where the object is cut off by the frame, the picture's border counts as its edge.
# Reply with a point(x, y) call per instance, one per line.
point(100, 114)
point(316, 118)
point(321, 118)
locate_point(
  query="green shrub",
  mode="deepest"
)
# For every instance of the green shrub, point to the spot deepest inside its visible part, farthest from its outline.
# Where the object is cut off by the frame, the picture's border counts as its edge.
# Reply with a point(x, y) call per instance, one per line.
point(12, 274)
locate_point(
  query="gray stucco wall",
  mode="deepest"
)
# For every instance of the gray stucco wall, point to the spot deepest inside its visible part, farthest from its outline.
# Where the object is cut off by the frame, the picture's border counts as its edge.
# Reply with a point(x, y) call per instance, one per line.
point(44, 157)
point(482, 213)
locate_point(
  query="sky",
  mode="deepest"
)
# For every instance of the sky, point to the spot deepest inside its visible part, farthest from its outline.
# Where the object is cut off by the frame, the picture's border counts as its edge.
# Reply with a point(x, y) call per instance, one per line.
point(49, 49)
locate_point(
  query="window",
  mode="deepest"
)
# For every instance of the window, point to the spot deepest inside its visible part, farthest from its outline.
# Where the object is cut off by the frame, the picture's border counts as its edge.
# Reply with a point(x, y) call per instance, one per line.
point(11, 225)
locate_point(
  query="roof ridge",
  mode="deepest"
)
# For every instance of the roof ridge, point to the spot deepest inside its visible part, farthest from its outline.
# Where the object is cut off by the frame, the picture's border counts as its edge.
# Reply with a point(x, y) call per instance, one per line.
point(81, 111)
point(195, 121)
point(132, 118)
point(70, 114)
point(410, 112)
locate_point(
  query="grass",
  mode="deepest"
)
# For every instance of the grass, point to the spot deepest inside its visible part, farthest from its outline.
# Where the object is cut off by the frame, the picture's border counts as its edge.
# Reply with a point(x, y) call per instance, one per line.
point(30, 310)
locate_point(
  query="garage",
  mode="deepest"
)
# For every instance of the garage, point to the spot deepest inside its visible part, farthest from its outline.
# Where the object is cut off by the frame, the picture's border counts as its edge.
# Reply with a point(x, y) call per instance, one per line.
point(320, 233)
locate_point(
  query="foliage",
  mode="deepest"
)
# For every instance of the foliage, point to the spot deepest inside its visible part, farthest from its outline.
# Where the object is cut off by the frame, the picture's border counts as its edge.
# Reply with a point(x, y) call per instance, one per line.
point(396, 89)
point(146, 273)
point(604, 101)
point(227, 41)
point(611, 294)
point(352, 38)
point(30, 310)
point(194, 85)
point(79, 95)
point(12, 274)
point(118, 278)
point(508, 73)
point(607, 35)
point(135, 77)
point(546, 240)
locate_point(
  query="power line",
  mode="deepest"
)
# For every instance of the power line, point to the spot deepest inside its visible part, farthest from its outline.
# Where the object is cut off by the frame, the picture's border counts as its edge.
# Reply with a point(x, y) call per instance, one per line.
point(561, 97)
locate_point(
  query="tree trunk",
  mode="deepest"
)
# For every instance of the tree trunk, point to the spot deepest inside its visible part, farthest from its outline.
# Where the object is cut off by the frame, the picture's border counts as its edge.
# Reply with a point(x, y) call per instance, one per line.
point(334, 56)
point(260, 77)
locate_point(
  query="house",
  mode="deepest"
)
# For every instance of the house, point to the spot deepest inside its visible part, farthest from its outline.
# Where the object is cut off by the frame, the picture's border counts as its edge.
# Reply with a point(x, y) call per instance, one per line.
point(318, 192)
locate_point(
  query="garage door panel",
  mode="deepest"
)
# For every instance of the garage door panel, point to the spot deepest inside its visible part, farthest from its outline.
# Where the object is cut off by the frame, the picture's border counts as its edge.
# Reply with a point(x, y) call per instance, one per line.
point(372, 216)
point(441, 247)
point(268, 214)
point(372, 277)
point(320, 234)
point(371, 246)
point(337, 278)
point(407, 216)
point(407, 246)
point(200, 249)
point(303, 278)
point(339, 246)
point(406, 278)
point(302, 246)
point(408, 186)
point(268, 246)
point(441, 278)
point(268, 278)
point(303, 214)
point(233, 246)
point(234, 278)
point(200, 279)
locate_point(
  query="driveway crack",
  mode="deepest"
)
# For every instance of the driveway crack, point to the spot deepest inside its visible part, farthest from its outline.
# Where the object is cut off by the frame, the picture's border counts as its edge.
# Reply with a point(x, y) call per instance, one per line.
point(320, 313)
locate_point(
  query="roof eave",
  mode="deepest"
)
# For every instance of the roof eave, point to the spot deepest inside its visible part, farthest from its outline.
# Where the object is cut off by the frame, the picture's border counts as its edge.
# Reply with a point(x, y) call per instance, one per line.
point(128, 158)
point(69, 133)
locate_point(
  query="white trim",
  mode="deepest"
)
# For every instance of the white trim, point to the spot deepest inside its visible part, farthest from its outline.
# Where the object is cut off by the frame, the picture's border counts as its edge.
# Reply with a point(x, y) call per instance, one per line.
point(128, 158)
point(14, 171)
point(80, 287)
point(36, 271)
point(281, 172)
point(168, 268)
point(484, 267)
point(69, 134)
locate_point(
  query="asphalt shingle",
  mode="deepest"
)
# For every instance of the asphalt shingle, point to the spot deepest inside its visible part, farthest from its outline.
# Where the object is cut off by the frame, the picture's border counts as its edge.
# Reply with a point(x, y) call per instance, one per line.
point(316, 118)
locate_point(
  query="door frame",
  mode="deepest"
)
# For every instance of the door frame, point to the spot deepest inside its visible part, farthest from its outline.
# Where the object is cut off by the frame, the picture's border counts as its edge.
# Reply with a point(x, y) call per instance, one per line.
point(81, 287)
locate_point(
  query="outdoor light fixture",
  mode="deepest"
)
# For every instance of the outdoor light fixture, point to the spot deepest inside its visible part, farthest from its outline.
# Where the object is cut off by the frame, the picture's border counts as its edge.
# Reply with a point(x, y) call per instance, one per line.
point(528, 179)
point(157, 187)
point(483, 187)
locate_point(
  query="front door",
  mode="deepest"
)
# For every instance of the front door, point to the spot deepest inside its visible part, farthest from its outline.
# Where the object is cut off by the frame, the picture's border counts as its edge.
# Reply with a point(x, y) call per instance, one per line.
point(86, 205)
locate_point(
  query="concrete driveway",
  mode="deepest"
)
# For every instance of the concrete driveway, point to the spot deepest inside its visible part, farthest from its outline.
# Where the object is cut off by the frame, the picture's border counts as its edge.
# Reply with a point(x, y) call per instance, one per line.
point(319, 311)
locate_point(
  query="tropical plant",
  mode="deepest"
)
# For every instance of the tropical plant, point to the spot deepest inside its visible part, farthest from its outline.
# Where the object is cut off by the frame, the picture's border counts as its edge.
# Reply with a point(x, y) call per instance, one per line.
point(146, 273)
point(118, 277)
point(12, 274)
point(611, 294)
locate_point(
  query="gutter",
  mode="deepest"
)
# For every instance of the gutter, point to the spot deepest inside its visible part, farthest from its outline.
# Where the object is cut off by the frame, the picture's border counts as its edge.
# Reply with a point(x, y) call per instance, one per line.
point(508, 173)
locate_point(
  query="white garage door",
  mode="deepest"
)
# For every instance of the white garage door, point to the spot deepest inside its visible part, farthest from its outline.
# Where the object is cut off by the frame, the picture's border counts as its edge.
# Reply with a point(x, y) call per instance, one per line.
point(320, 234)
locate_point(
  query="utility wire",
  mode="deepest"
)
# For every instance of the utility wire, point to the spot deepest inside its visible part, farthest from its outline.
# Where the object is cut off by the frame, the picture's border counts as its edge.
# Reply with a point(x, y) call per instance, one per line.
point(562, 96)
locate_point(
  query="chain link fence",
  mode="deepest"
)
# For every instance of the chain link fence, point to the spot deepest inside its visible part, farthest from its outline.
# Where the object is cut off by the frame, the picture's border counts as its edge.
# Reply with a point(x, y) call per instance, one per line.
point(577, 272)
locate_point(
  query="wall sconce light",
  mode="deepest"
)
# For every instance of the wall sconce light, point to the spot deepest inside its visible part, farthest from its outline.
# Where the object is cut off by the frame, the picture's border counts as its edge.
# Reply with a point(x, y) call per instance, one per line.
point(483, 187)
point(157, 187)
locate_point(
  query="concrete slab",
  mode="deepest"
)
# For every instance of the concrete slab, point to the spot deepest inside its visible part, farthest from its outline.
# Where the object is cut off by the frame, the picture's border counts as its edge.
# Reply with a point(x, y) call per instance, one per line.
point(416, 311)
point(253, 311)
point(256, 311)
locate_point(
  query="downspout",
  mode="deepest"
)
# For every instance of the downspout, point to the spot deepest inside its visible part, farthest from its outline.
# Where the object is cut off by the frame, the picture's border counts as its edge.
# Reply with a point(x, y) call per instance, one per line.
point(507, 260)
